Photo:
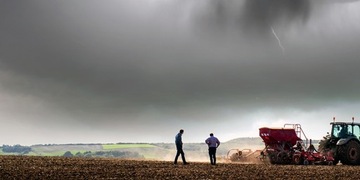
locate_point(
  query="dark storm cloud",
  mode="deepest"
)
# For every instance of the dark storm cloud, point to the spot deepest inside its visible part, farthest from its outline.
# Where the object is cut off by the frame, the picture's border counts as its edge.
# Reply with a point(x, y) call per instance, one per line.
point(140, 56)
point(149, 62)
point(253, 17)
point(259, 16)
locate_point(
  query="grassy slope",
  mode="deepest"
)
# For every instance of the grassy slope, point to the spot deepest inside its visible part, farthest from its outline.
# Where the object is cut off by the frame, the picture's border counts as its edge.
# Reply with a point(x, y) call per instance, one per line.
point(124, 146)
point(159, 151)
point(59, 150)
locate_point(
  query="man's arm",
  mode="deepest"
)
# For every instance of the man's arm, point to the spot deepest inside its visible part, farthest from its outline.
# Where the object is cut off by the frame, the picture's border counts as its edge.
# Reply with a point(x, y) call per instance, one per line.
point(207, 141)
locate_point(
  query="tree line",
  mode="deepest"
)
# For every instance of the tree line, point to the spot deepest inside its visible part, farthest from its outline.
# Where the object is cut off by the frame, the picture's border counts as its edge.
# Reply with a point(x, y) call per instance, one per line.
point(16, 149)
point(117, 154)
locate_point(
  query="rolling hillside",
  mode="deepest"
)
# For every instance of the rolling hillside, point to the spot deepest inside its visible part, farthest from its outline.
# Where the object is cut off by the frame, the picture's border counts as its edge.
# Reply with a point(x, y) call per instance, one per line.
point(150, 151)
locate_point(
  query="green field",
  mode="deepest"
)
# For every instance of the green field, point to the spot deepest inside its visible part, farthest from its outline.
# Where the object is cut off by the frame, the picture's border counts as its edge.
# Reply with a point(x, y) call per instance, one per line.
point(54, 153)
point(123, 146)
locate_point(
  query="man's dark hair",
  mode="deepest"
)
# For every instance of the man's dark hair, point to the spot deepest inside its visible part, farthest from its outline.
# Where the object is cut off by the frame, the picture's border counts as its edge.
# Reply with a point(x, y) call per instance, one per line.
point(211, 134)
point(181, 130)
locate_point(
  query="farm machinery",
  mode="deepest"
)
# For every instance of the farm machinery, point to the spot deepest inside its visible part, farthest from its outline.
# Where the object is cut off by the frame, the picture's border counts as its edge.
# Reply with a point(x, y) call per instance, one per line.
point(285, 146)
point(244, 155)
point(343, 142)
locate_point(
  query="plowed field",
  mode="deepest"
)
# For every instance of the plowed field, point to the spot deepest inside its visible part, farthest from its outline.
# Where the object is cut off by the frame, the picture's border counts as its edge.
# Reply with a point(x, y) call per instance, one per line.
point(33, 167)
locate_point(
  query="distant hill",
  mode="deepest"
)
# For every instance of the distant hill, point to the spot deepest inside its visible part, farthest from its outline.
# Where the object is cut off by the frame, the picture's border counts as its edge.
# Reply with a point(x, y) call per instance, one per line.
point(253, 143)
point(246, 140)
point(151, 151)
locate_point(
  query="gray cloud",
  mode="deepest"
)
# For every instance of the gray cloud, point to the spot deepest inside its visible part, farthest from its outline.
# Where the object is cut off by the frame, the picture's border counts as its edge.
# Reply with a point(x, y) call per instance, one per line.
point(166, 64)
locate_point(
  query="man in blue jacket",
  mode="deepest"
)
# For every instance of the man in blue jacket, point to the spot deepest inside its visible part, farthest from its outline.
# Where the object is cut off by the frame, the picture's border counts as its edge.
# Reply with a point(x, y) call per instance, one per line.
point(213, 143)
point(179, 147)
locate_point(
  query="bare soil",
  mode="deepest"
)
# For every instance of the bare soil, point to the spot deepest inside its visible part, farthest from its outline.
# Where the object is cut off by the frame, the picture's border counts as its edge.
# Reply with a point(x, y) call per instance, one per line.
point(37, 167)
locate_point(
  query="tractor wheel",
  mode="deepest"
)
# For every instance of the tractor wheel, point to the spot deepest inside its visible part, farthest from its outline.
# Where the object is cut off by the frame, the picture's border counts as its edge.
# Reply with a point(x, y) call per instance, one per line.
point(350, 153)
point(306, 162)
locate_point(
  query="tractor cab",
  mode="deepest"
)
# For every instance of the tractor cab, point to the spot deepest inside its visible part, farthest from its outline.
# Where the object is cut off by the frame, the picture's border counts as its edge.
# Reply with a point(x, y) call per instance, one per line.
point(341, 132)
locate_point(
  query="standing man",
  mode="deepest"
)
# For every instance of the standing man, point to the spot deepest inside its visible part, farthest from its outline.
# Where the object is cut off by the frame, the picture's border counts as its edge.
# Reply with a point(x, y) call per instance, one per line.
point(213, 143)
point(179, 147)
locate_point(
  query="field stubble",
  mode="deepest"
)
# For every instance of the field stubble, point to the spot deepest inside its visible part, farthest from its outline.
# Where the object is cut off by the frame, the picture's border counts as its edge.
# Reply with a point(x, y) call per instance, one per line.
point(37, 167)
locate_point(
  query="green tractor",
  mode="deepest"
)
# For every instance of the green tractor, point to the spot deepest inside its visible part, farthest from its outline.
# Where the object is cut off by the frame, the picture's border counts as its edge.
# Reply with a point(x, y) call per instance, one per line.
point(343, 142)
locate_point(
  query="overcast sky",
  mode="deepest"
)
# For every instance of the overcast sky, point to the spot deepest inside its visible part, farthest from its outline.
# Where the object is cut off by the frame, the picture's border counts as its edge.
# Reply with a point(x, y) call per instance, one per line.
point(89, 71)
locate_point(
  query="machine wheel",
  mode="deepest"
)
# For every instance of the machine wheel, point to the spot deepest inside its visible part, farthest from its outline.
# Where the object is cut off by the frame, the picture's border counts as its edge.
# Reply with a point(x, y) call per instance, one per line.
point(298, 160)
point(306, 162)
point(350, 153)
point(283, 158)
point(234, 157)
point(272, 158)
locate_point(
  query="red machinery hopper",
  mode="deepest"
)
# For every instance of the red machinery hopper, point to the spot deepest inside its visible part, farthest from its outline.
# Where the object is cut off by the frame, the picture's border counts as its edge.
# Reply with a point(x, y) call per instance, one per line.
point(285, 146)
point(272, 136)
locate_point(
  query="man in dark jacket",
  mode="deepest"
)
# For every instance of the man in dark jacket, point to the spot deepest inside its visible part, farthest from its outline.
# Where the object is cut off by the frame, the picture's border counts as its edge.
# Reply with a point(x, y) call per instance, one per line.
point(179, 146)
